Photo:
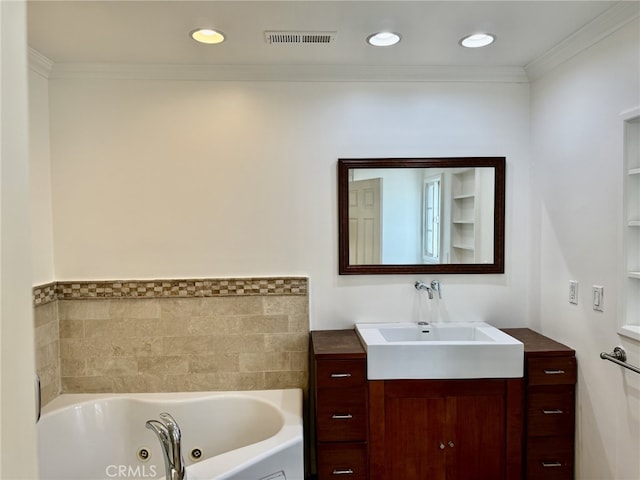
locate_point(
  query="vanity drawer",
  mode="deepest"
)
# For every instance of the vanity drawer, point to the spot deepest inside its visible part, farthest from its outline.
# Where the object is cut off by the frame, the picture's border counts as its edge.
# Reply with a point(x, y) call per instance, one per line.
point(342, 461)
point(341, 415)
point(551, 371)
point(551, 412)
point(341, 373)
point(550, 458)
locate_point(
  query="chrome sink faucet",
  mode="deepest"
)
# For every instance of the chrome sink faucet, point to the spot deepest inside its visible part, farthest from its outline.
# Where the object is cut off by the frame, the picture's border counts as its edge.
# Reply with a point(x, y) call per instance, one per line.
point(421, 286)
point(168, 432)
point(435, 287)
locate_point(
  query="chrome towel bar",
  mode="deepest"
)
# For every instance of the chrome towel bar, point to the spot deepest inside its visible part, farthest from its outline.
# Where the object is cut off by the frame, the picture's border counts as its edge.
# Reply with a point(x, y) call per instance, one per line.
point(619, 356)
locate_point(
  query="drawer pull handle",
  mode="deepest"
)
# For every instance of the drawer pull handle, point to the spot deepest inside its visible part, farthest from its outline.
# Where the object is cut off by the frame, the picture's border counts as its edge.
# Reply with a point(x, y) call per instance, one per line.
point(340, 375)
point(554, 372)
point(347, 471)
point(552, 412)
point(339, 416)
point(551, 464)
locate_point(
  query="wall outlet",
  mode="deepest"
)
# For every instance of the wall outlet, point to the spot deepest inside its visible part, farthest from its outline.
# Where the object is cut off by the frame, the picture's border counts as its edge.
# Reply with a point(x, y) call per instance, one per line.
point(598, 298)
point(573, 292)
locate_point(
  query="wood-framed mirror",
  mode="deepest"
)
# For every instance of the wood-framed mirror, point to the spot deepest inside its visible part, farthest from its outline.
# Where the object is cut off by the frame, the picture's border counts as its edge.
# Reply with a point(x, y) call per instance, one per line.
point(421, 215)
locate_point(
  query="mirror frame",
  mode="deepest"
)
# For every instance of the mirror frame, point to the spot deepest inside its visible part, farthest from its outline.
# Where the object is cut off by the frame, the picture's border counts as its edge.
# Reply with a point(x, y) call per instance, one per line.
point(346, 164)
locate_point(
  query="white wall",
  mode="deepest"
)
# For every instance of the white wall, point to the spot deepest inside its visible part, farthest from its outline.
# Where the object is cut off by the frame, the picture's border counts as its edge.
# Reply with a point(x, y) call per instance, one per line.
point(576, 213)
point(161, 179)
point(40, 180)
point(17, 369)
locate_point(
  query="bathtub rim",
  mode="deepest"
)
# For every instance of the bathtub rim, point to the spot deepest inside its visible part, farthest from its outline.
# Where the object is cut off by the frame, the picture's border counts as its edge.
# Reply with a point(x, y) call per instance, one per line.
point(288, 400)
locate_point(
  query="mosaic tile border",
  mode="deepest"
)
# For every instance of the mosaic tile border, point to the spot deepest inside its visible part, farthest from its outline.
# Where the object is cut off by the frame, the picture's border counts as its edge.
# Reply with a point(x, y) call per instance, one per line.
point(175, 288)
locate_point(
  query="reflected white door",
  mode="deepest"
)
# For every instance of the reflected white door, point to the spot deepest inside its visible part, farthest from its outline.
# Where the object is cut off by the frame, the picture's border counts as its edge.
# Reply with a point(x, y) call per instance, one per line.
point(365, 219)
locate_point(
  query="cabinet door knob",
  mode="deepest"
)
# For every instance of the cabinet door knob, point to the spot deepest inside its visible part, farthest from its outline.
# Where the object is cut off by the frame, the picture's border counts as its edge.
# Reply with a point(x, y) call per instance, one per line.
point(346, 471)
point(441, 446)
point(451, 444)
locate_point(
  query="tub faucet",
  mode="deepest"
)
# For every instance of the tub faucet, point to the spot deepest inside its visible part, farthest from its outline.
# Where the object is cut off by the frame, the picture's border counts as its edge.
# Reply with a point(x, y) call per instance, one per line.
point(168, 432)
point(420, 285)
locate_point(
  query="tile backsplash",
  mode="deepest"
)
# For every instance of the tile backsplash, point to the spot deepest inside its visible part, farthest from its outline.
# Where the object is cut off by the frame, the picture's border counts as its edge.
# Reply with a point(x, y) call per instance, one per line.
point(172, 335)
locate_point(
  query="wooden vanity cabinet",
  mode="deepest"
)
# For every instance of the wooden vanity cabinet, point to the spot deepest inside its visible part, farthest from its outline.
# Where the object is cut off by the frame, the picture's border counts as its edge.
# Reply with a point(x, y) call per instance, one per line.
point(445, 429)
point(485, 429)
point(550, 378)
point(338, 399)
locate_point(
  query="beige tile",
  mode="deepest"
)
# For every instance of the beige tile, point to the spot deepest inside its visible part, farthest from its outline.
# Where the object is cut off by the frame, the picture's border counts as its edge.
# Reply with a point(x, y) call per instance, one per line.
point(49, 392)
point(87, 384)
point(117, 328)
point(179, 308)
point(102, 366)
point(264, 323)
point(71, 328)
point(50, 353)
point(216, 324)
point(229, 362)
point(45, 334)
point(194, 382)
point(276, 380)
point(286, 305)
point(264, 362)
point(84, 309)
point(136, 346)
point(44, 314)
point(187, 345)
point(72, 348)
point(97, 347)
point(237, 343)
point(163, 365)
point(140, 383)
point(136, 308)
point(48, 374)
point(299, 323)
point(70, 367)
point(223, 381)
point(300, 361)
point(248, 305)
point(148, 327)
point(174, 327)
point(286, 342)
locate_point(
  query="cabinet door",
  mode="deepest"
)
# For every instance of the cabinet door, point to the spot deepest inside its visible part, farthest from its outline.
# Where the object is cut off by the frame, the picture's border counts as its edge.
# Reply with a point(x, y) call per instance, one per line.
point(476, 443)
point(415, 438)
point(438, 430)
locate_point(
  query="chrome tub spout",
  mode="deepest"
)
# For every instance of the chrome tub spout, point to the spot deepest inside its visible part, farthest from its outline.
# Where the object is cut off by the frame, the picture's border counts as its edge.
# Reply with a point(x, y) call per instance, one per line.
point(170, 437)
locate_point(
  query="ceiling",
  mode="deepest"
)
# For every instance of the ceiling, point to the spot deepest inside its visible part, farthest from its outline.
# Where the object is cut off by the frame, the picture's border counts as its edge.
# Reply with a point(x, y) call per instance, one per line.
point(157, 32)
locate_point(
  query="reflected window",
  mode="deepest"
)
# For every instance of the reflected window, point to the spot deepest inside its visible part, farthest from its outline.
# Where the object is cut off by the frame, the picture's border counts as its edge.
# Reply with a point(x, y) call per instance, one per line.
point(431, 219)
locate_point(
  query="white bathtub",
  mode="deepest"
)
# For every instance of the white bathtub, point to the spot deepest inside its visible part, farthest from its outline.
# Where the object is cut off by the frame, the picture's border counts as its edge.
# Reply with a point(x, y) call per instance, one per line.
point(254, 435)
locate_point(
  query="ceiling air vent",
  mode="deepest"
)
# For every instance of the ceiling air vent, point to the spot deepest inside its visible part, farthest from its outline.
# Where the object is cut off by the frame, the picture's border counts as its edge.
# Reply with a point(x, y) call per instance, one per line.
point(276, 38)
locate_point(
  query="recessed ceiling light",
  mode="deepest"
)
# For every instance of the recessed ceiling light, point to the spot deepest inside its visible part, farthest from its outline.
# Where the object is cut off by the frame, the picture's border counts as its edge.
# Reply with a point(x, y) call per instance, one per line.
point(208, 36)
point(383, 39)
point(477, 40)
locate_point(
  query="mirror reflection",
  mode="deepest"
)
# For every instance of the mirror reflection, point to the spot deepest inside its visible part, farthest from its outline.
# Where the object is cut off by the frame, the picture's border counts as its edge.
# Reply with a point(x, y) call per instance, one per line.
point(421, 213)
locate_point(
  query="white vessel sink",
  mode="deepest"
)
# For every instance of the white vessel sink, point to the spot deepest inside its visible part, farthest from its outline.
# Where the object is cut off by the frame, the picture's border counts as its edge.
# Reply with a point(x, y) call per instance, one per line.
point(439, 351)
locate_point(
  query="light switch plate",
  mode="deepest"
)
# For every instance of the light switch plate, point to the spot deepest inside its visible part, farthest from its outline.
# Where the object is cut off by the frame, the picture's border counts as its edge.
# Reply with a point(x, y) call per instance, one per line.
point(598, 298)
point(573, 292)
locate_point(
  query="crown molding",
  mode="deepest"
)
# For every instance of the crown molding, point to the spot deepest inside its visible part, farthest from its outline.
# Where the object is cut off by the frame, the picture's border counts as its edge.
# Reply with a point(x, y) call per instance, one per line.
point(39, 63)
point(602, 26)
point(292, 73)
